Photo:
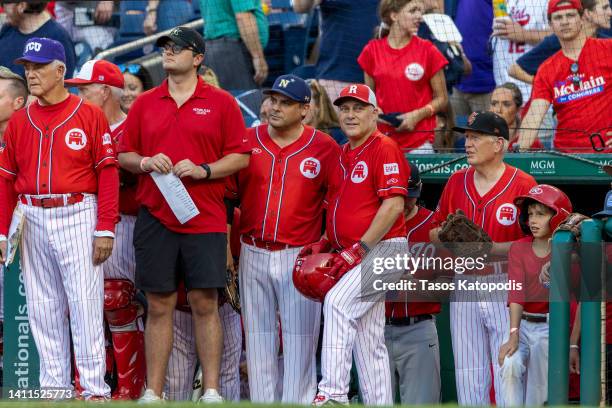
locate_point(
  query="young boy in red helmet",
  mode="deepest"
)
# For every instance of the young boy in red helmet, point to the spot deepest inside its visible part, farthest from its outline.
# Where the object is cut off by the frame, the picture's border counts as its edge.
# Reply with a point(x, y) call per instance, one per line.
point(525, 354)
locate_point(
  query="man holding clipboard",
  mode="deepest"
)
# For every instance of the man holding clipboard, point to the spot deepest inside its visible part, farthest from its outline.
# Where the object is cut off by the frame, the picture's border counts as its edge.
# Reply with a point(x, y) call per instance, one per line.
point(189, 136)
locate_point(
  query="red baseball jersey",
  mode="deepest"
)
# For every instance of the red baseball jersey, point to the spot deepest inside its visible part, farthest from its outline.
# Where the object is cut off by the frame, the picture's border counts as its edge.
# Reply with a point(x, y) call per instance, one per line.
point(495, 212)
point(584, 105)
point(205, 128)
point(360, 180)
point(282, 191)
point(57, 149)
point(524, 267)
point(128, 181)
point(417, 228)
point(402, 82)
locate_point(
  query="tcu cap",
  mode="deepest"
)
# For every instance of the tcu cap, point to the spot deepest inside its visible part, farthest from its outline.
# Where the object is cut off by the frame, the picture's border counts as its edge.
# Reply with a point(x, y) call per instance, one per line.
point(98, 72)
point(488, 123)
point(553, 6)
point(42, 50)
point(359, 92)
point(184, 36)
point(293, 87)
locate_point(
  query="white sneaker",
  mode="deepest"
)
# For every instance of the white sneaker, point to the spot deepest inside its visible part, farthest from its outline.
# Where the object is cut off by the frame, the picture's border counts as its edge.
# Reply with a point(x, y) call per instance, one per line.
point(149, 397)
point(321, 400)
point(211, 396)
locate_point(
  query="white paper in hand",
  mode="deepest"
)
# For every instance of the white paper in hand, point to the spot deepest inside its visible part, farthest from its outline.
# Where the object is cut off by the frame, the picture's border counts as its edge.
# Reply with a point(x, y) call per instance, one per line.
point(443, 27)
point(14, 235)
point(176, 195)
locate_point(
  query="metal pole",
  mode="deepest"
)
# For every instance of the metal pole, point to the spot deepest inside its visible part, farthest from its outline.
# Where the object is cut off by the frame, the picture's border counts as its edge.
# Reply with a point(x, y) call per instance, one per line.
point(590, 312)
point(141, 42)
point(558, 346)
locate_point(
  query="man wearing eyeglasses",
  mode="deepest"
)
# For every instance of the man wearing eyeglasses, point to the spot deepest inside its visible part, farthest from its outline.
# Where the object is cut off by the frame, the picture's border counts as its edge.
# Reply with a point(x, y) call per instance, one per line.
point(196, 132)
point(484, 192)
point(577, 82)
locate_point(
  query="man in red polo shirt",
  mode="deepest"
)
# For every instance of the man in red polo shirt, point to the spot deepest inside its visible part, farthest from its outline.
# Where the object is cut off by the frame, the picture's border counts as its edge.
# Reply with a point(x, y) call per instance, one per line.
point(193, 135)
point(364, 223)
point(281, 195)
point(577, 81)
point(485, 193)
point(410, 333)
point(58, 157)
point(101, 83)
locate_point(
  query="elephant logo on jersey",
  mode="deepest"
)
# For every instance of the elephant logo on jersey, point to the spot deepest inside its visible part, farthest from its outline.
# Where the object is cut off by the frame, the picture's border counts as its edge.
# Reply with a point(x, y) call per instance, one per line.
point(360, 172)
point(76, 139)
point(414, 71)
point(310, 167)
point(506, 214)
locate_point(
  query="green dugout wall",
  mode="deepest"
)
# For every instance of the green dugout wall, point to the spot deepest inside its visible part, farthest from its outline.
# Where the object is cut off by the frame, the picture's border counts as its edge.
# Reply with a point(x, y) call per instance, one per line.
point(584, 181)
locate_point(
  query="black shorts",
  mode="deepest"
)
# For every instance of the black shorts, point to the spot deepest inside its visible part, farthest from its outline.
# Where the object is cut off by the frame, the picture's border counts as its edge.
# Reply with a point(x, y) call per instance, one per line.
point(163, 257)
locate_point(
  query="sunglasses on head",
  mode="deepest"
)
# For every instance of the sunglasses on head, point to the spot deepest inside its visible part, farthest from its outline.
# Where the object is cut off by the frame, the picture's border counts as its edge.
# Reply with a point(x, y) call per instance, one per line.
point(131, 68)
point(575, 76)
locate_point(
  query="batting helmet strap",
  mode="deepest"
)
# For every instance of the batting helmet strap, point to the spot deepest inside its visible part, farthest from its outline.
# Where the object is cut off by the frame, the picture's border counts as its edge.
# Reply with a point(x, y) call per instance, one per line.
point(311, 275)
point(549, 196)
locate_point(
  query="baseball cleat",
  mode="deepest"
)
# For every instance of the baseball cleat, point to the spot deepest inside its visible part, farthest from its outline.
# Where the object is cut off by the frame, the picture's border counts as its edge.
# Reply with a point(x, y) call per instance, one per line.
point(323, 400)
point(149, 397)
point(211, 396)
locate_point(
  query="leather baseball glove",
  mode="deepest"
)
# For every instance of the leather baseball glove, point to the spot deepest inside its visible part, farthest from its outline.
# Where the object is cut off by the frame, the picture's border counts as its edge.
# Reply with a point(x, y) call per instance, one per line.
point(572, 224)
point(231, 293)
point(463, 237)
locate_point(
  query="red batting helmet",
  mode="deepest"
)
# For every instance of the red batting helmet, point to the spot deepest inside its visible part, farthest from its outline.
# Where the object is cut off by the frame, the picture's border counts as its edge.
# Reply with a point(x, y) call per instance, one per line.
point(311, 277)
point(549, 196)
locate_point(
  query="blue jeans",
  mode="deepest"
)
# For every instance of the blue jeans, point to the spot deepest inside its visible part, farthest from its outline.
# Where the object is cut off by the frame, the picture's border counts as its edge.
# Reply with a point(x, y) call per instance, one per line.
point(172, 13)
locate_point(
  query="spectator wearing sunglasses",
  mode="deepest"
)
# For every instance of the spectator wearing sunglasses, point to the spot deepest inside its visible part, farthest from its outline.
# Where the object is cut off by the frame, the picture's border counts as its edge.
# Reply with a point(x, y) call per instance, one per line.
point(577, 81)
point(197, 133)
point(137, 80)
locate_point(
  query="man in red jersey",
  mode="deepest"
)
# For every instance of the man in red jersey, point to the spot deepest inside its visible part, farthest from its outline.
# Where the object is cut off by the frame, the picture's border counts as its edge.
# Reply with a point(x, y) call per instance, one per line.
point(101, 83)
point(281, 200)
point(576, 81)
point(191, 135)
point(59, 162)
point(410, 332)
point(485, 193)
point(364, 224)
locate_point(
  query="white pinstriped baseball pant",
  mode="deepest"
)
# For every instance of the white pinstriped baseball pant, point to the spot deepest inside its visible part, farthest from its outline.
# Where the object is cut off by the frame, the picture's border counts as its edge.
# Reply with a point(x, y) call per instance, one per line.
point(183, 358)
point(122, 262)
point(266, 285)
point(480, 323)
point(64, 288)
point(355, 325)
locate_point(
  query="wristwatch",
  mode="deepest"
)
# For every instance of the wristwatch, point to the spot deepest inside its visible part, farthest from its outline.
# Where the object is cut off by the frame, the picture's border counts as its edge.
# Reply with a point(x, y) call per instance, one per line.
point(206, 168)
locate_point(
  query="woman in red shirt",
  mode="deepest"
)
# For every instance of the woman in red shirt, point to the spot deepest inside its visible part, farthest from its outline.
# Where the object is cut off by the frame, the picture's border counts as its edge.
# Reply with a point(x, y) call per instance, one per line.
point(406, 73)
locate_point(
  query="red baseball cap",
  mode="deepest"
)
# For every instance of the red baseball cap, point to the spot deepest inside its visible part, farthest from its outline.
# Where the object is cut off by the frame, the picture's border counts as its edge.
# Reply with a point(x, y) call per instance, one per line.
point(360, 92)
point(98, 72)
point(553, 5)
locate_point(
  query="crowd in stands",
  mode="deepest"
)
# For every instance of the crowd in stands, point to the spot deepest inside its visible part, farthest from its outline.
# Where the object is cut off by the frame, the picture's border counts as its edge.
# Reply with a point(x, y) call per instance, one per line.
point(424, 82)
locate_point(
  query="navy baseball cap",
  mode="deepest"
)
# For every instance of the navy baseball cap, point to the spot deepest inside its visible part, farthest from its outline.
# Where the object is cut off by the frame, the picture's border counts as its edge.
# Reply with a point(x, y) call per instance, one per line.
point(415, 185)
point(488, 123)
point(607, 210)
point(293, 87)
point(42, 50)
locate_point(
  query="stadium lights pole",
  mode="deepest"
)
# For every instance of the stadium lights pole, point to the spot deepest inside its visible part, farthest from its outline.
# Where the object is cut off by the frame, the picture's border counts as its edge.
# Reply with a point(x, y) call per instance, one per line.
point(558, 346)
point(590, 312)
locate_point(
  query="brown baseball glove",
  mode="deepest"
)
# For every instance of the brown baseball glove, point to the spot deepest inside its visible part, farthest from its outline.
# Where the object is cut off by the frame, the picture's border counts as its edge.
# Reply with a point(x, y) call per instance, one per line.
point(463, 237)
point(572, 224)
point(231, 293)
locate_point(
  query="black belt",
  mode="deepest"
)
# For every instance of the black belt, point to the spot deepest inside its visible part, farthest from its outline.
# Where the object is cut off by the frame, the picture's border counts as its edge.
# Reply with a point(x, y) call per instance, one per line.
point(407, 321)
point(534, 319)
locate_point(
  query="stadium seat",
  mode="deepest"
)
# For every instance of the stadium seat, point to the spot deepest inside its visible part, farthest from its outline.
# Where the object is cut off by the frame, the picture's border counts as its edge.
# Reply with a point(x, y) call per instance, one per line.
point(286, 47)
point(281, 4)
